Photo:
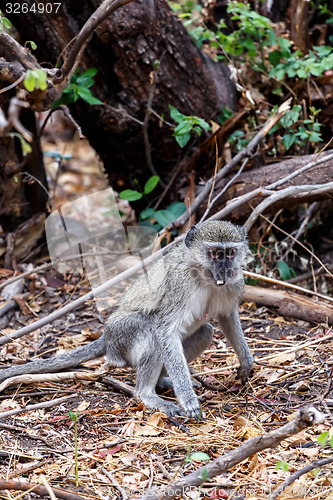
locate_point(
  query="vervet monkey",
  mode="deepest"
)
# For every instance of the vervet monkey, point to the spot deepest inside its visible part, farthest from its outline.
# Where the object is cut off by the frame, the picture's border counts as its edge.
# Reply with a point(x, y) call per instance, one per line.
point(161, 322)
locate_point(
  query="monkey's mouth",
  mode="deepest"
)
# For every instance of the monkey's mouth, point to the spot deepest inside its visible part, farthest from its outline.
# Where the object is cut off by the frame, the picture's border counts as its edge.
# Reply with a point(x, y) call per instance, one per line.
point(223, 276)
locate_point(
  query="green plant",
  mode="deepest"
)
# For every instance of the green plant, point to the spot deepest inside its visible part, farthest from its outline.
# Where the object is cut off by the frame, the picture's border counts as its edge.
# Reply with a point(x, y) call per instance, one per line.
point(286, 272)
point(35, 79)
point(299, 131)
point(186, 124)
point(162, 218)
point(4, 22)
point(134, 195)
point(74, 417)
point(25, 146)
point(79, 87)
point(149, 216)
point(282, 465)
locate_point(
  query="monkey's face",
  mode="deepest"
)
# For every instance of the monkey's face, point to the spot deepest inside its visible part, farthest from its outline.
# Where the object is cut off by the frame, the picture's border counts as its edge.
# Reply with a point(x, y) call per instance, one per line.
point(222, 263)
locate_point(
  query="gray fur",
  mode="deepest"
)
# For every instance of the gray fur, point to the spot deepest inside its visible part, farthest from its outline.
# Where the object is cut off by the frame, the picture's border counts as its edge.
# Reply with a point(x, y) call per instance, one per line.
point(160, 324)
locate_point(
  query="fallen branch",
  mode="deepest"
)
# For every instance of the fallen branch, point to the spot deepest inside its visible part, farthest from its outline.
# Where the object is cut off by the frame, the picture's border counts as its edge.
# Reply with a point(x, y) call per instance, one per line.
point(38, 406)
point(305, 417)
point(290, 305)
point(40, 490)
point(289, 284)
point(296, 475)
point(47, 377)
point(304, 190)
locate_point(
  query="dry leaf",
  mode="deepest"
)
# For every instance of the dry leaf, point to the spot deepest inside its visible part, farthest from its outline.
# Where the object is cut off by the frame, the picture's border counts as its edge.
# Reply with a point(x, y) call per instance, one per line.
point(282, 358)
point(83, 406)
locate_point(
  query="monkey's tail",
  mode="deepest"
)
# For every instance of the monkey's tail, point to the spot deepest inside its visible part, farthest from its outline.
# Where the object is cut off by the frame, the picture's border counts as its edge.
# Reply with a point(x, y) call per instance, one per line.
point(57, 363)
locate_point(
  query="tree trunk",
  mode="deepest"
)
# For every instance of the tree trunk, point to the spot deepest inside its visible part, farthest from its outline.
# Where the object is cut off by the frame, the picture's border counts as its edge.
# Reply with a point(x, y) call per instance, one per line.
point(125, 49)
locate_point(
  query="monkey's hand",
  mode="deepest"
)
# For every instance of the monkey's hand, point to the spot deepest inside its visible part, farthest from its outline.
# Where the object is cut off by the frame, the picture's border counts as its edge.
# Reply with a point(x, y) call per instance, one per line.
point(244, 370)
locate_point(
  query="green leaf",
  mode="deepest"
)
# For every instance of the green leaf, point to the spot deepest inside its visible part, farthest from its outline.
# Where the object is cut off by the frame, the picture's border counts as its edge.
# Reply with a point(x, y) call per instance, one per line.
point(32, 44)
point(275, 57)
point(29, 81)
point(200, 455)
point(283, 270)
point(177, 208)
point(86, 95)
point(282, 465)
point(176, 115)
point(151, 184)
point(164, 217)
point(147, 213)
point(183, 128)
point(202, 123)
point(182, 139)
point(288, 140)
point(6, 22)
point(323, 438)
point(130, 195)
point(315, 137)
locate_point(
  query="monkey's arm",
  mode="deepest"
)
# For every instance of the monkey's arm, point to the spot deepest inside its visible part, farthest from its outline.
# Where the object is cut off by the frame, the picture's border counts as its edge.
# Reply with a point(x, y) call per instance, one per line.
point(57, 363)
point(232, 329)
point(177, 368)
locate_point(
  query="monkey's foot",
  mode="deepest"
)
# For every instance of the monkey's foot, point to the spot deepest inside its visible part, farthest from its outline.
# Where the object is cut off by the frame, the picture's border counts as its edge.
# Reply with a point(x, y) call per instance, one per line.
point(244, 370)
point(154, 402)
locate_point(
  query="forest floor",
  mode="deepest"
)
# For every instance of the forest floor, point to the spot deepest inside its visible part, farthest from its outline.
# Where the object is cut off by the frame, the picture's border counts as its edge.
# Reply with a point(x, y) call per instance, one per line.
point(124, 448)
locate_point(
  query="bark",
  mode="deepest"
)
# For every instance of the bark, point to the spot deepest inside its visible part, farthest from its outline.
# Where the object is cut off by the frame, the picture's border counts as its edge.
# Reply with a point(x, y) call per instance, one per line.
point(248, 181)
point(290, 305)
point(124, 50)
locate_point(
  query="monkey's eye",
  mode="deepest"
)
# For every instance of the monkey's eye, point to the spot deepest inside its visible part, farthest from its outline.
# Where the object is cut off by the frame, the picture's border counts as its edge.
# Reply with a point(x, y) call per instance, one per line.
point(215, 253)
point(231, 253)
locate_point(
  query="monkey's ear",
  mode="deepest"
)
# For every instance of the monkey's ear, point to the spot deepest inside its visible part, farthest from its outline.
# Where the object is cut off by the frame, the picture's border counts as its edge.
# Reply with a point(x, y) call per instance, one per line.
point(190, 236)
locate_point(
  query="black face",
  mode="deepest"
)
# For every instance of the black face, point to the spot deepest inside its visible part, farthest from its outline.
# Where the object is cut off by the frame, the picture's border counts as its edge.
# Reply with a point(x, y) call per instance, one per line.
point(222, 263)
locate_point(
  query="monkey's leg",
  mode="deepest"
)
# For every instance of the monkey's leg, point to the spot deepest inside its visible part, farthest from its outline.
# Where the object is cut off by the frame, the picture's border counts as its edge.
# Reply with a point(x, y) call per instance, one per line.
point(147, 374)
point(232, 329)
point(193, 346)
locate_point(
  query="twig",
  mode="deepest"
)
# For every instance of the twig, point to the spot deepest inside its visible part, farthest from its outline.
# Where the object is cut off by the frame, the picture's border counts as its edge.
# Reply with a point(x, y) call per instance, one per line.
point(38, 406)
point(145, 125)
point(245, 153)
point(296, 475)
point(244, 198)
point(19, 53)
point(40, 490)
point(305, 189)
point(310, 274)
point(48, 487)
point(299, 243)
point(80, 42)
point(88, 296)
point(115, 483)
point(42, 267)
point(305, 417)
point(208, 209)
point(286, 284)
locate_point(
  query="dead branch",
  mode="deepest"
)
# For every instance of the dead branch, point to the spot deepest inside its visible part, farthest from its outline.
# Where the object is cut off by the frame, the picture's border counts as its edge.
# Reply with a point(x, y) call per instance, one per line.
point(40, 490)
point(290, 305)
point(304, 190)
point(241, 200)
point(245, 153)
point(38, 406)
point(18, 52)
point(288, 284)
point(305, 417)
point(296, 475)
point(81, 40)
